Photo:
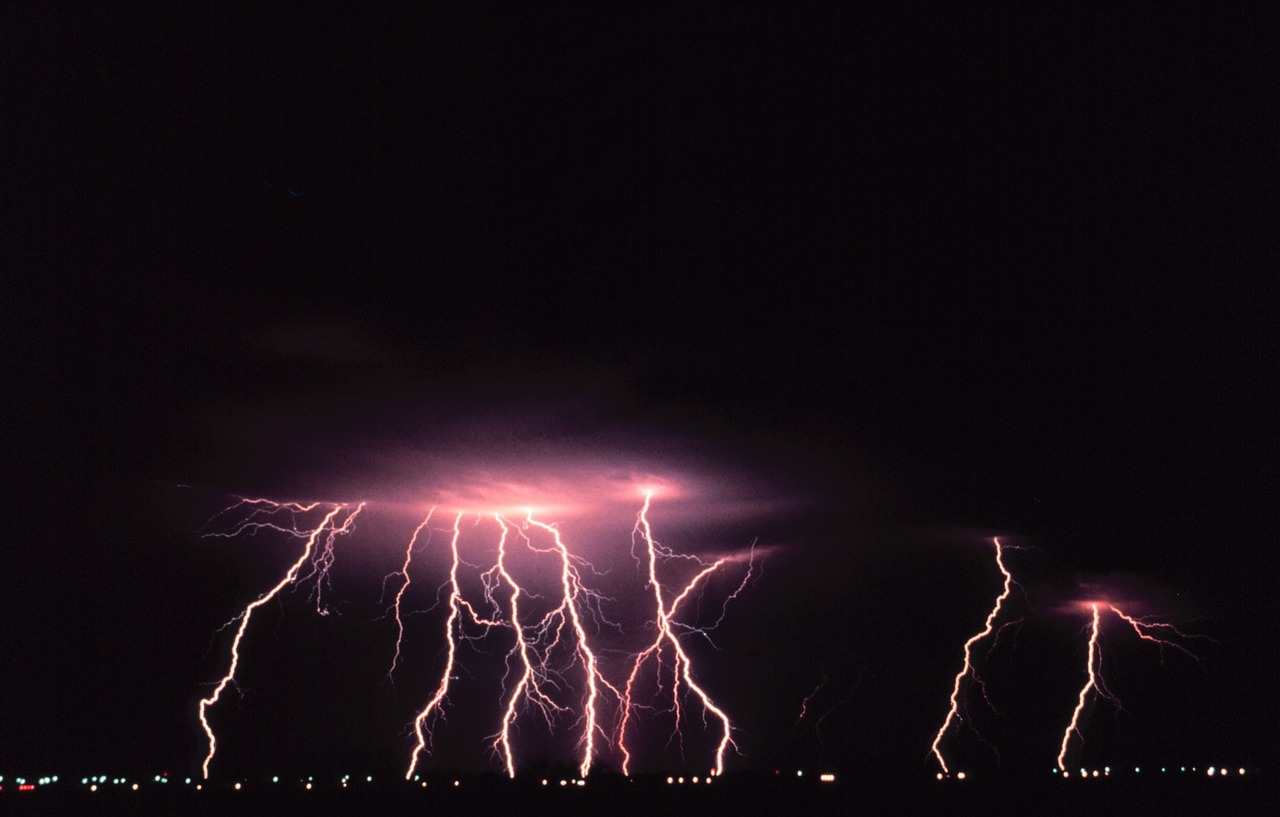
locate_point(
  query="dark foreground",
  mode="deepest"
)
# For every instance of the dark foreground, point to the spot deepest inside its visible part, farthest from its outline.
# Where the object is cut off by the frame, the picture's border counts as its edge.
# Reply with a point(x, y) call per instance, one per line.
point(746, 795)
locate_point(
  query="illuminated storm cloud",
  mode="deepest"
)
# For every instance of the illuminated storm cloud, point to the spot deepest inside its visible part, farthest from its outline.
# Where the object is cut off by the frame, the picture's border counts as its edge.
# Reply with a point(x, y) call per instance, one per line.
point(526, 531)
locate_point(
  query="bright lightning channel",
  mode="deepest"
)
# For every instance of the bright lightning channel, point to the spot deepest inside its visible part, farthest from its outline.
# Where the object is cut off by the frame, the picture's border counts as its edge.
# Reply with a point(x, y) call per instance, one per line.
point(953, 714)
point(264, 515)
point(1093, 666)
point(534, 677)
point(682, 668)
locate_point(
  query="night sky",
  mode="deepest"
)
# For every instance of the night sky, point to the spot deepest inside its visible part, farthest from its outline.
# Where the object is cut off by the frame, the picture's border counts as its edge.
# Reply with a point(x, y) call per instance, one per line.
point(890, 282)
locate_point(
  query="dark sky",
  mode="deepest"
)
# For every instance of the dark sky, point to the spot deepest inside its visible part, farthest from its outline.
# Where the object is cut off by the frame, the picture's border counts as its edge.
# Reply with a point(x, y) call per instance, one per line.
point(929, 276)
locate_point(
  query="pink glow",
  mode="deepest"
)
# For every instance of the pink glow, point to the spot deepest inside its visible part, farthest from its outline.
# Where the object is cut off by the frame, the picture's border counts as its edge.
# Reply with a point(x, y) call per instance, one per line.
point(554, 617)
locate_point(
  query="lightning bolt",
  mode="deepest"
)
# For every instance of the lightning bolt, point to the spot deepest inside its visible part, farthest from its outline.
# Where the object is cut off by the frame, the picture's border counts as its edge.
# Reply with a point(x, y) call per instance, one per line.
point(1143, 628)
point(532, 673)
point(552, 666)
point(953, 714)
point(665, 633)
point(571, 585)
point(1093, 666)
point(808, 699)
point(263, 516)
point(404, 573)
point(455, 606)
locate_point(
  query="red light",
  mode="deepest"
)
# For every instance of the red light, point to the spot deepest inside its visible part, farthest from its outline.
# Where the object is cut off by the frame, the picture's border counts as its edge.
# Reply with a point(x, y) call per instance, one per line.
point(27, 787)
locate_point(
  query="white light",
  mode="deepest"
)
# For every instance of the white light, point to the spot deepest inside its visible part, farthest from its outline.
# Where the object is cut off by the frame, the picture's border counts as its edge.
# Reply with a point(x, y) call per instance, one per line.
point(670, 780)
point(799, 773)
point(134, 787)
point(369, 779)
point(275, 780)
point(566, 782)
point(828, 777)
point(94, 787)
point(695, 778)
point(680, 780)
point(308, 787)
point(544, 781)
point(237, 786)
point(939, 775)
point(960, 776)
point(456, 784)
point(582, 782)
point(1242, 771)
point(199, 787)
point(1095, 772)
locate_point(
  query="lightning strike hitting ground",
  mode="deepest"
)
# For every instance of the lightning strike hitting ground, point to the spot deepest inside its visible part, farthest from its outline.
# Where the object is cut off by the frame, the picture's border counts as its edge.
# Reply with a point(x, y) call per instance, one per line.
point(264, 515)
point(682, 669)
point(532, 674)
point(551, 667)
point(455, 604)
point(571, 584)
point(953, 714)
point(1093, 666)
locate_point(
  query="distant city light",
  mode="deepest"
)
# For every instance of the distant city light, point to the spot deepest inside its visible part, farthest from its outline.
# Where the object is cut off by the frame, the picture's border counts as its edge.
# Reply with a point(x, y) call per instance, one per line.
point(827, 777)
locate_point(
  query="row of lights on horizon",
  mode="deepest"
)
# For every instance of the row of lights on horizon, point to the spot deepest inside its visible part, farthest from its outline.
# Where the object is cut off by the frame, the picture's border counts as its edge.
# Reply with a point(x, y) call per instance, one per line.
point(93, 784)
point(1105, 771)
point(1212, 771)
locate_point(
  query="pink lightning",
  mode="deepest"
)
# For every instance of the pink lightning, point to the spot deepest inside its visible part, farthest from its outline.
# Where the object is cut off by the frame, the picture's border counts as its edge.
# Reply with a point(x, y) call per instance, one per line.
point(1093, 666)
point(571, 585)
point(263, 516)
point(529, 686)
point(404, 572)
point(953, 714)
point(535, 678)
point(682, 668)
point(808, 699)
point(455, 603)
